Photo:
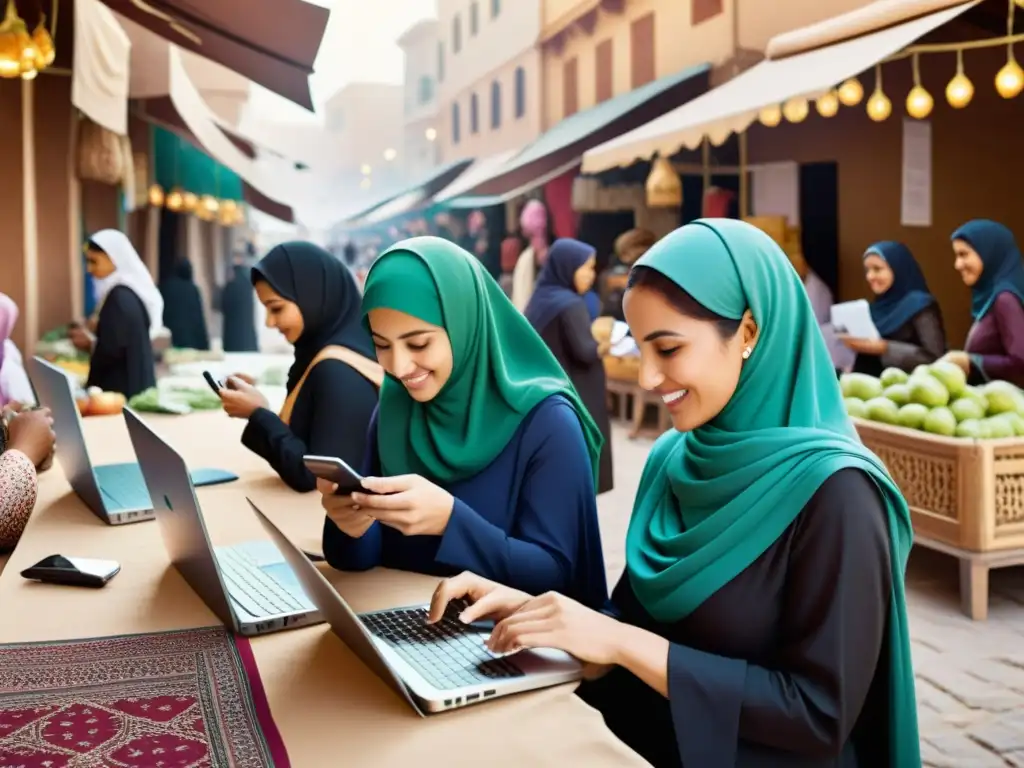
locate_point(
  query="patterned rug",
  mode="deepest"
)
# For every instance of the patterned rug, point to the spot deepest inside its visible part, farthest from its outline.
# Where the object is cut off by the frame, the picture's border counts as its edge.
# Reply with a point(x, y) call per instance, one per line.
point(190, 699)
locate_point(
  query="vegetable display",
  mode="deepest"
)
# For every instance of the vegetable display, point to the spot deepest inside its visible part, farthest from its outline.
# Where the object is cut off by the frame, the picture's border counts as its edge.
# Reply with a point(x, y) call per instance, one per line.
point(936, 399)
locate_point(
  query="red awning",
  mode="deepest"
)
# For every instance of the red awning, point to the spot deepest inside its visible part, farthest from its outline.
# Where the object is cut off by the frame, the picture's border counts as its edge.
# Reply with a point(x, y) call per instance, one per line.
point(273, 42)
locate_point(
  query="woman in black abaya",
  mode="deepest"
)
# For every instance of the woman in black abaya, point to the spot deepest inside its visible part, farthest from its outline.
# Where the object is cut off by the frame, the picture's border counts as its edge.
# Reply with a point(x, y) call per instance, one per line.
point(183, 308)
point(312, 299)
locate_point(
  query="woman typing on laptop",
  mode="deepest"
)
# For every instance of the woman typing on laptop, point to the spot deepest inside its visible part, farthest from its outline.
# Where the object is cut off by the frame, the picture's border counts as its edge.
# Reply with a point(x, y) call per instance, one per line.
point(26, 441)
point(481, 451)
point(312, 299)
point(761, 619)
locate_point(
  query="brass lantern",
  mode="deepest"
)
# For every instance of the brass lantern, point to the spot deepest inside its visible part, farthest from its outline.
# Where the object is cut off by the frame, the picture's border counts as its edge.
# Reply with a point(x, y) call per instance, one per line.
point(17, 50)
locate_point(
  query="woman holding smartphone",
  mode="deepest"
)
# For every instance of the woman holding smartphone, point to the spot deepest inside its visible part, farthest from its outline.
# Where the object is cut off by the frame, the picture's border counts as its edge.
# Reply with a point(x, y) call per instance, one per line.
point(481, 455)
point(312, 299)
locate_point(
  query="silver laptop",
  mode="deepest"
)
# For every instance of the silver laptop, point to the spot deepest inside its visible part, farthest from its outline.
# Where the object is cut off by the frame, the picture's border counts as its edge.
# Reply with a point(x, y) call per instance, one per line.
point(249, 586)
point(116, 493)
point(435, 667)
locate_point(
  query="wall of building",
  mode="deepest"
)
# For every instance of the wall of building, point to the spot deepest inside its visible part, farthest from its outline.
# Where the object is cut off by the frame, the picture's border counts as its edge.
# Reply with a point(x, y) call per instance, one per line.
point(55, 297)
point(363, 141)
point(755, 27)
point(975, 173)
point(678, 43)
point(418, 154)
point(469, 61)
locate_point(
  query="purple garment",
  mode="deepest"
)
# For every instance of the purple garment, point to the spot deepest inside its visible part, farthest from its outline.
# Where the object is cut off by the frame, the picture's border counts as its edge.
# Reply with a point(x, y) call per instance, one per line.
point(996, 341)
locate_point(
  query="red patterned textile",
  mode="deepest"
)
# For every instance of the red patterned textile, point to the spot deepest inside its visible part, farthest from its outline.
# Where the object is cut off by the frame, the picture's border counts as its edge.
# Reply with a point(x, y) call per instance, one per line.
point(187, 699)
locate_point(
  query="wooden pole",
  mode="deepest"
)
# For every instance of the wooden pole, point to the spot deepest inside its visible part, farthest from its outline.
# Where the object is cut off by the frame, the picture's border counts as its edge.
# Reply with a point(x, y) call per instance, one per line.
point(30, 217)
point(75, 226)
point(705, 163)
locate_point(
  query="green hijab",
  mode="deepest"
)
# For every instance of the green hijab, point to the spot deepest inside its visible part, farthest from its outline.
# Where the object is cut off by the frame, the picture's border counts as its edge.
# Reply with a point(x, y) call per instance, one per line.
point(501, 369)
point(713, 500)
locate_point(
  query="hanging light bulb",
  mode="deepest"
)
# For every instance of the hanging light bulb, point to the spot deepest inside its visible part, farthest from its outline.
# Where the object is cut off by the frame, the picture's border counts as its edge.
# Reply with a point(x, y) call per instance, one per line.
point(959, 90)
point(795, 110)
point(1010, 79)
point(189, 201)
point(851, 92)
point(228, 212)
point(1020, 3)
point(770, 116)
point(827, 104)
point(155, 195)
point(175, 201)
point(919, 101)
point(879, 107)
point(210, 206)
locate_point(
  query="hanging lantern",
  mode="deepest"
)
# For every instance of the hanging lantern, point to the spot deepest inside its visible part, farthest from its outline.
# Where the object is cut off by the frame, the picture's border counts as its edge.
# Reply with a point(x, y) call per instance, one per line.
point(851, 92)
point(1020, 3)
point(827, 104)
point(770, 116)
point(795, 110)
point(663, 187)
point(190, 200)
point(919, 103)
point(209, 206)
point(1010, 79)
point(175, 201)
point(227, 213)
point(156, 196)
point(17, 51)
point(46, 52)
point(959, 90)
point(879, 106)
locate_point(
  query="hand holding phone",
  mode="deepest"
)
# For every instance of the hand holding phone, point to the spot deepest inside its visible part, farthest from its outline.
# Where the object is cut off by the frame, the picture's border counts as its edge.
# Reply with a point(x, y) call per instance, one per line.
point(336, 471)
point(73, 571)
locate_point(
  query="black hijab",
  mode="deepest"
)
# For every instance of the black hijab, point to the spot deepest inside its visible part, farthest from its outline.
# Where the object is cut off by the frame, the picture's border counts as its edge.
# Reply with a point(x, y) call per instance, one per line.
point(326, 294)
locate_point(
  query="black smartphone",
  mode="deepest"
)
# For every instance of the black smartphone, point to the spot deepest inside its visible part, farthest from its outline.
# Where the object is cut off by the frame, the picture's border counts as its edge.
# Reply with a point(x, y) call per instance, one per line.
point(215, 385)
point(73, 571)
point(337, 471)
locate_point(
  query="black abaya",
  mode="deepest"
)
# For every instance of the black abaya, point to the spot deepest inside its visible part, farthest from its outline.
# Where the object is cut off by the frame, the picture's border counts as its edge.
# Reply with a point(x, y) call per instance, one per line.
point(183, 309)
point(122, 358)
point(239, 310)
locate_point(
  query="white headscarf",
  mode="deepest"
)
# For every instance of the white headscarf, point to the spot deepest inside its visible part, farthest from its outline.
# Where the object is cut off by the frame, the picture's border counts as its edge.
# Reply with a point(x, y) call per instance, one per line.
point(130, 272)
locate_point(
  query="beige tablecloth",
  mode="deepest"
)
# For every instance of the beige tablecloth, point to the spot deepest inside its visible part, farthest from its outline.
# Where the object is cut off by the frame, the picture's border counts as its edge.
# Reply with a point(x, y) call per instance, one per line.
point(330, 709)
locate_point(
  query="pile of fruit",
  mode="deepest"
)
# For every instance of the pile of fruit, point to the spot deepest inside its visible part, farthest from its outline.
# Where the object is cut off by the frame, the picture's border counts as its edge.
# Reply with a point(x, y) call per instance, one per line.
point(95, 402)
point(936, 398)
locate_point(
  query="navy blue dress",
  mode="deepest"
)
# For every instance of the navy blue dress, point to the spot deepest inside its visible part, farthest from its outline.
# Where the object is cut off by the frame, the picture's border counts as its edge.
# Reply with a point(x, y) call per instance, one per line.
point(528, 520)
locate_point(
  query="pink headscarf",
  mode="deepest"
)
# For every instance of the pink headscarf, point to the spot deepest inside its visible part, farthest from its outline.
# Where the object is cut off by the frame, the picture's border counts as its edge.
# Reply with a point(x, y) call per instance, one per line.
point(8, 319)
point(533, 222)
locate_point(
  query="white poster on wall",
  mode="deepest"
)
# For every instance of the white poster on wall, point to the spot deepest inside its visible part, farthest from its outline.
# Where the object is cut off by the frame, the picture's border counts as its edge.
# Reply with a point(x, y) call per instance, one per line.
point(775, 189)
point(916, 198)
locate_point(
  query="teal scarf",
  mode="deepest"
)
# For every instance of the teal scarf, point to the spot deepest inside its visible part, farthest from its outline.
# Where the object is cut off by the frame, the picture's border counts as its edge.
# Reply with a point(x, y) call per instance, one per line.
point(501, 368)
point(713, 500)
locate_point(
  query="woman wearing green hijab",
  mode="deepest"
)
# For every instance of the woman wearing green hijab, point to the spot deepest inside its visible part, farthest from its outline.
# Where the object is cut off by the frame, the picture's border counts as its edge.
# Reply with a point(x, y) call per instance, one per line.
point(481, 456)
point(761, 620)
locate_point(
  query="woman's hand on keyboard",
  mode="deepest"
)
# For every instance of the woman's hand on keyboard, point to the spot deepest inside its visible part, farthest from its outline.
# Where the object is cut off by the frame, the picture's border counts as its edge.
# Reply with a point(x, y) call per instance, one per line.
point(489, 600)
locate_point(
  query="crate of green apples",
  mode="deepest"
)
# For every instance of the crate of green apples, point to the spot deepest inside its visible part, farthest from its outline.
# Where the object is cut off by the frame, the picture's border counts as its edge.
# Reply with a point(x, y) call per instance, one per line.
point(955, 451)
point(936, 399)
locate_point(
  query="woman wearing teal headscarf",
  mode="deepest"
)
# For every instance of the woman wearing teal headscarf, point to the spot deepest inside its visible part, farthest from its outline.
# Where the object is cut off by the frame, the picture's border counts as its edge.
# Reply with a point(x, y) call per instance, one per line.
point(481, 455)
point(761, 620)
point(990, 264)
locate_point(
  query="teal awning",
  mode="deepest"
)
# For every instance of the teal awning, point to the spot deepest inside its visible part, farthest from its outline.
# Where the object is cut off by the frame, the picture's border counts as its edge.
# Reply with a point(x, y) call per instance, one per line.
point(179, 163)
point(564, 144)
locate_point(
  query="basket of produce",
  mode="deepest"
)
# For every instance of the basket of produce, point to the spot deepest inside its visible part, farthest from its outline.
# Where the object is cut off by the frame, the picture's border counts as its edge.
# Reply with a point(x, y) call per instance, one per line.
point(955, 451)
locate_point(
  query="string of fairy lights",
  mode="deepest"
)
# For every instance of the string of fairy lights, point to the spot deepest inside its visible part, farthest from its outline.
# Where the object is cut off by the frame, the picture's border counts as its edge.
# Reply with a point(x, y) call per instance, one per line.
point(919, 103)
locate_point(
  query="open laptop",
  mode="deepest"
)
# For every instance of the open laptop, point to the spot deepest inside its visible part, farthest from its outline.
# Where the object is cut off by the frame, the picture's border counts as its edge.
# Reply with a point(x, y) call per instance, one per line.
point(116, 493)
point(434, 667)
point(249, 586)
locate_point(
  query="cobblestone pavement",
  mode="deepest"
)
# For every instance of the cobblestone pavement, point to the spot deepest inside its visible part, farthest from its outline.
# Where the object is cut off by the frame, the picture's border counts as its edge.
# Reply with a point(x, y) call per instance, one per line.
point(970, 675)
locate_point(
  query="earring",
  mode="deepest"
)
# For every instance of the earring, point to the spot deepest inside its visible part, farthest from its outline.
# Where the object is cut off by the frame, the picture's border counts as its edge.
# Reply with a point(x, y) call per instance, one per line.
point(746, 353)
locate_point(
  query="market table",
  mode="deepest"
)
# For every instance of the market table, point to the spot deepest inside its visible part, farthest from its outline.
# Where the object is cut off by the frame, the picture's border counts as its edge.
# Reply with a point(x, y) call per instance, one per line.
point(329, 708)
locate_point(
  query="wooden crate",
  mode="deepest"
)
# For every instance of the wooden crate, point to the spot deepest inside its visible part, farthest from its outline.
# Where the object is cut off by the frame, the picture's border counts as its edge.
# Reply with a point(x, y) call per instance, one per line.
point(965, 493)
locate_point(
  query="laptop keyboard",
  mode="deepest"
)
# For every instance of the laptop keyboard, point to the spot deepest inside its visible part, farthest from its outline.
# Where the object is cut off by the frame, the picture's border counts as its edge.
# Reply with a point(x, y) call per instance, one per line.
point(123, 487)
point(448, 654)
point(258, 593)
